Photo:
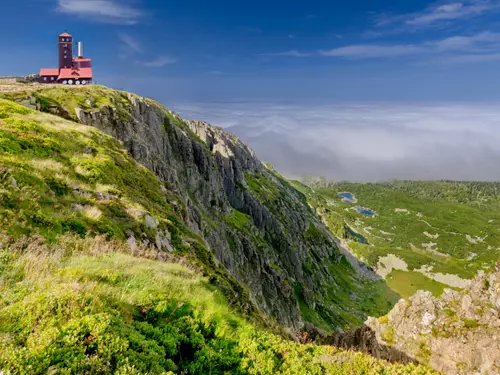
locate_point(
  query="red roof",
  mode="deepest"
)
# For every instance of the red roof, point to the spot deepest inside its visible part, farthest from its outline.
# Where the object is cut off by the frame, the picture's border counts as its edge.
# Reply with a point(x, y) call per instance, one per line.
point(73, 73)
point(65, 34)
point(49, 72)
point(81, 59)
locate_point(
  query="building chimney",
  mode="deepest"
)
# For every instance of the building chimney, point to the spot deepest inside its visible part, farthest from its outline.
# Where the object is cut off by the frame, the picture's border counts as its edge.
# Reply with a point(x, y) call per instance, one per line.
point(80, 49)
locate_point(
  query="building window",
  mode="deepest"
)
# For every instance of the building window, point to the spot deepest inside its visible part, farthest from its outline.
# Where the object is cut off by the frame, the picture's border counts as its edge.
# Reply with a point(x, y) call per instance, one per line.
point(44, 78)
point(52, 78)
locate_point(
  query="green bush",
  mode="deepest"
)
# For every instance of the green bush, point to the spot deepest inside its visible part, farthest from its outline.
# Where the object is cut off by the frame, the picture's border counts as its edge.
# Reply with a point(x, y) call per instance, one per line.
point(58, 186)
point(471, 323)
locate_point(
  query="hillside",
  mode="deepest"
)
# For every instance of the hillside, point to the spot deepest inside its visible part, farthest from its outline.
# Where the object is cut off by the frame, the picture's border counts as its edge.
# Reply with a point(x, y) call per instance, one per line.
point(271, 249)
point(423, 235)
point(90, 306)
point(163, 245)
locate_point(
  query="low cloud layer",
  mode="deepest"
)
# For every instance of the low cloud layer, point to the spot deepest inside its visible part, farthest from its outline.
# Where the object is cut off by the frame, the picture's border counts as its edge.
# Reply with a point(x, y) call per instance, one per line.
point(366, 142)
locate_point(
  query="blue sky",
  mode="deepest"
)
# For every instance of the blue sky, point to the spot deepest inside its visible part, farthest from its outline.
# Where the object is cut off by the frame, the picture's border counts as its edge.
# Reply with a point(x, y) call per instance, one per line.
point(359, 90)
point(223, 50)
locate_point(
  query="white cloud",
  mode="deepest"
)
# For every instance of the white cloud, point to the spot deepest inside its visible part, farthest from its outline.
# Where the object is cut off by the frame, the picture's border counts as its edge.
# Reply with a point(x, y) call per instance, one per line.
point(482, 44)
point(469, 48)
point(373, 51)
point(292, 53)
point(367, 141)
point(442, 12)
point(158, 62)
point(109, 11)
point(450, 8)
point(453, 11)
point(483, 41)
point(131, 43)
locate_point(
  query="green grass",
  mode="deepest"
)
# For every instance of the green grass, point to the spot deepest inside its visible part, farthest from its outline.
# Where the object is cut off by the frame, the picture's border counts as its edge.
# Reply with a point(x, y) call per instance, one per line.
point(261, 187)
point(110, 313)
point(471, 323)
point(407, 283)
point(48, 160)
point(349, 300)
point(239, 220)
point(63, 310)
point(66, 99)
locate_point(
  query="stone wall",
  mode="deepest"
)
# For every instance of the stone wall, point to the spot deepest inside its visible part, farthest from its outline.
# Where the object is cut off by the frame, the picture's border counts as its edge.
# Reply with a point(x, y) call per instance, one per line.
point(21, 79)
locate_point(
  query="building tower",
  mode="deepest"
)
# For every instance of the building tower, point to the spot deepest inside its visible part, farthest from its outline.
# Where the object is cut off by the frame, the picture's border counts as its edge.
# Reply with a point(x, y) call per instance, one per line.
point(65, 51)
point(71, 70)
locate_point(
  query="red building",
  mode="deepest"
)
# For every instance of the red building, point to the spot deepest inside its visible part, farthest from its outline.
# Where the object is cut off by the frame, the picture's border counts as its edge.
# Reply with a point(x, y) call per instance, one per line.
point(72, 70)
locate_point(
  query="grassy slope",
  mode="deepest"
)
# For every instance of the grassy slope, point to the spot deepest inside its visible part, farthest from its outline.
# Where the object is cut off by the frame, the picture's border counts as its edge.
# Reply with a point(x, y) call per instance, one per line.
point(83, 311)
point(450, 210)
point(74, 179)
point(74, 300)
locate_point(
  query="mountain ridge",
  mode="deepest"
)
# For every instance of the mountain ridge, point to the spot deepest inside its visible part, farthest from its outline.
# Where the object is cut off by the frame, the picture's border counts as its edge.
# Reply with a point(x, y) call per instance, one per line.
point(272, 242)
point(171, 190)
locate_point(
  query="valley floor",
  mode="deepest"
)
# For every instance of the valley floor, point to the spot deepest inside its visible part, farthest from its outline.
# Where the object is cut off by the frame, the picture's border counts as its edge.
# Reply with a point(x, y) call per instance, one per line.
point(424, 236)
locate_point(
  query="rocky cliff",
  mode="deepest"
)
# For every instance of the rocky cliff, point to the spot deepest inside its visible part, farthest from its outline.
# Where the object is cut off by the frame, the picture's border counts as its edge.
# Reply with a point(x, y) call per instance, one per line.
point(259, 228)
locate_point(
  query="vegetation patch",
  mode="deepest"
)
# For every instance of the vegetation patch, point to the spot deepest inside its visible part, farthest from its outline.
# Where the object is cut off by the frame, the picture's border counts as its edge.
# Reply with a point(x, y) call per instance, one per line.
point(86, 306)
point(261, 187)
point(454, 213)
point(406, 283)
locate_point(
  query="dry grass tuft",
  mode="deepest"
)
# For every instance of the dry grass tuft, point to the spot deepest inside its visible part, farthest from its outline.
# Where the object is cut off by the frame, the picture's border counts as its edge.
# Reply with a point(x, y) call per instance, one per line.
point(36, 258)
point(92, 212)
point(47, 164)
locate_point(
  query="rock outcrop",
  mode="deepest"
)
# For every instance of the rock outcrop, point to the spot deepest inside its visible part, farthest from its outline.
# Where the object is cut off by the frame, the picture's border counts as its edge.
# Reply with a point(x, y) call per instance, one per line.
point(457, 334)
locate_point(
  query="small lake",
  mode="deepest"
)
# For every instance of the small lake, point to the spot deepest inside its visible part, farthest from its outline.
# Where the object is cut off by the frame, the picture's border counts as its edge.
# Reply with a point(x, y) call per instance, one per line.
point(347, 197)
point(365, 211)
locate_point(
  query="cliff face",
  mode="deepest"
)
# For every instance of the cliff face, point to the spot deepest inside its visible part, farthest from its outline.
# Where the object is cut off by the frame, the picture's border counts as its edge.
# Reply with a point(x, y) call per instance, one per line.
point(457, 334)
point(259, 228)
point(266, 237)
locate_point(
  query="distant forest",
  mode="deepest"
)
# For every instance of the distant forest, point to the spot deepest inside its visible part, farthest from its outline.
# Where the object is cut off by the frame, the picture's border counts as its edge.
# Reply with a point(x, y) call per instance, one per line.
point(467, 192)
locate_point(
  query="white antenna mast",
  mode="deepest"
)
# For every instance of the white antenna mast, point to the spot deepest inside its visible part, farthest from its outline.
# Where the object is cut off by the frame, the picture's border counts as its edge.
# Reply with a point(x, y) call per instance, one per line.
point(80, 49)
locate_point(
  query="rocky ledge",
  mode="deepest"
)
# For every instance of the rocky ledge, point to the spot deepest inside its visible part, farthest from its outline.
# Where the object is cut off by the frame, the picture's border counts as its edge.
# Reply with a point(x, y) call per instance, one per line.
point(457, 334)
